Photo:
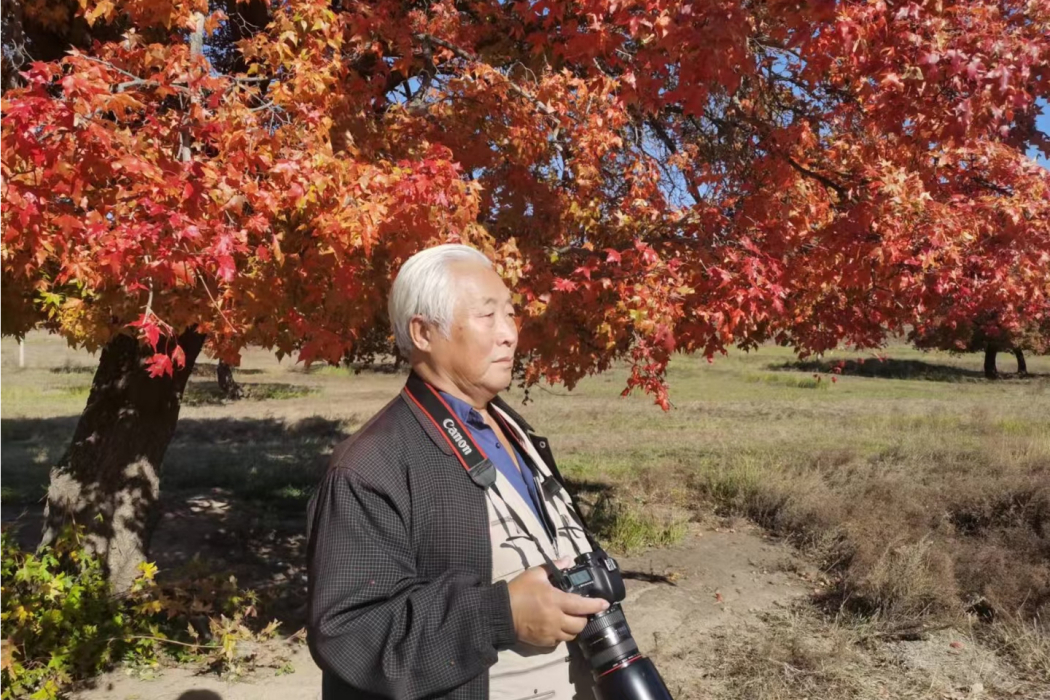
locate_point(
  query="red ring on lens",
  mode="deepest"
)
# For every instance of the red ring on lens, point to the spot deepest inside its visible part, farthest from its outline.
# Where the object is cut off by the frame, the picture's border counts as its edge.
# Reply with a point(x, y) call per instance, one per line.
point(623, 664)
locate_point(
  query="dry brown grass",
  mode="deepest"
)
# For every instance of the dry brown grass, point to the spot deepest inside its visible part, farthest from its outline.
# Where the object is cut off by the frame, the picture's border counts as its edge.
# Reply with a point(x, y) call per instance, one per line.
point(794, 658)
point(1026, 643)
point(923, 533)
point(932, 533)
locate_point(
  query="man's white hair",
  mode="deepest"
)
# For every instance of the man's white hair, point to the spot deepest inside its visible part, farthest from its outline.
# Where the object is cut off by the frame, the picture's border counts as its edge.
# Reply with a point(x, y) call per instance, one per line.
point(425, 287)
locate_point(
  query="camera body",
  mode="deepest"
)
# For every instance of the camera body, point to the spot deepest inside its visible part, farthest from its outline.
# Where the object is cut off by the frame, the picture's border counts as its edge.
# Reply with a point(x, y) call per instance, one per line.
point(619, 670)
point(595, 575)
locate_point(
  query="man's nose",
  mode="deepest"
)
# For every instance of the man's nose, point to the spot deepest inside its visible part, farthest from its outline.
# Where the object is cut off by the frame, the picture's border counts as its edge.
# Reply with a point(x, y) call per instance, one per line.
point(508, 331)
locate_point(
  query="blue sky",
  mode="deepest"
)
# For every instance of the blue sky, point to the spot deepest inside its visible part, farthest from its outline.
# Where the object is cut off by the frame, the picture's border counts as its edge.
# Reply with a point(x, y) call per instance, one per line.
point(1042, 122)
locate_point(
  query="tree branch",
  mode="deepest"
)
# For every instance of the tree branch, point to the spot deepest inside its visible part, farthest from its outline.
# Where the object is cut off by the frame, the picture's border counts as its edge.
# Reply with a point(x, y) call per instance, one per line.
point(827, 182)
point(467, 56)
point(136, 81)
point(994, 187)
point(661, 133)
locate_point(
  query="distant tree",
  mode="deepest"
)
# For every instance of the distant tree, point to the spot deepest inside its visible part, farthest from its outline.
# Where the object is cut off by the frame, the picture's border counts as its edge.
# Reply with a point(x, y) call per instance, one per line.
point(228, 386)
point(988, 335)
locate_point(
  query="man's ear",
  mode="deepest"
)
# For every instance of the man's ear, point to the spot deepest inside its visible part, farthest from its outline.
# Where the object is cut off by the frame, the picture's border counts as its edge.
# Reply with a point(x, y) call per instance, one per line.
point(421, 333)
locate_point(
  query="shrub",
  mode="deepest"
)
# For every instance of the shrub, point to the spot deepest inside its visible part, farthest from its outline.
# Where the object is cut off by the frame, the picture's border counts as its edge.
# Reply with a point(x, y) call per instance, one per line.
point(61, 621)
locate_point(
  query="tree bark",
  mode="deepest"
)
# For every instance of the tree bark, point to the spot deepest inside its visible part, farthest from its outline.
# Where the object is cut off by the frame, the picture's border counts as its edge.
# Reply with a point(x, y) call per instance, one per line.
point(1022, 366)
point(990, 351)
point(227, 384)
point(108, 480)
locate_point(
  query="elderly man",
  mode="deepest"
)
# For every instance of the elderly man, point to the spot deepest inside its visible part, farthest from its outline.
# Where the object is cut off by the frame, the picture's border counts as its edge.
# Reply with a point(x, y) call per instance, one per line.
point(429, 532)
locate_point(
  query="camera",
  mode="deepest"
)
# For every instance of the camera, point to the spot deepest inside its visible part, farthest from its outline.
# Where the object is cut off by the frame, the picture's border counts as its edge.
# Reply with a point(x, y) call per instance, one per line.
point(620, 671)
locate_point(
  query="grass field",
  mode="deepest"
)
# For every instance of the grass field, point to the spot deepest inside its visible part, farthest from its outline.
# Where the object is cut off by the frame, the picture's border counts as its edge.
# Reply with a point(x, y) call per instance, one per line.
point(922, 489)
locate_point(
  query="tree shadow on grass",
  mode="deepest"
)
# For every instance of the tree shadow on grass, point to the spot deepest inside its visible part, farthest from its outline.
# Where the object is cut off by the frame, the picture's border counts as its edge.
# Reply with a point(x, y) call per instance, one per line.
point(73, 369)
point(885, 369)
point(234, 497)
point(257, 458)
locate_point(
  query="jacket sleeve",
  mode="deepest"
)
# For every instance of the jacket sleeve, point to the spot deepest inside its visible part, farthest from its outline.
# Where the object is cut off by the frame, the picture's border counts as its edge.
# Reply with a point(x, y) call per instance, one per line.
point(373, 621)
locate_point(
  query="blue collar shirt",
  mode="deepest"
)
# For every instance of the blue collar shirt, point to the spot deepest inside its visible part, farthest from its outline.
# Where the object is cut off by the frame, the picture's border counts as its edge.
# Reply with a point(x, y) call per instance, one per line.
point(485, 438)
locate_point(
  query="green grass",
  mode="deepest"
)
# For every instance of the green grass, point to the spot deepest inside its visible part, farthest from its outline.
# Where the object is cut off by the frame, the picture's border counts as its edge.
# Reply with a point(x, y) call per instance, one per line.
point(202, 393)
point(625, 528)
point(791, 380)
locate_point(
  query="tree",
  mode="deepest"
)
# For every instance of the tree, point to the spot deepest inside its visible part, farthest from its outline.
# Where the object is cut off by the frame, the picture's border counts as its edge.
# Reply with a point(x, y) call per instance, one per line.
point(228, 386)
point(989, 333)
point(980, 301)
point(649, 175)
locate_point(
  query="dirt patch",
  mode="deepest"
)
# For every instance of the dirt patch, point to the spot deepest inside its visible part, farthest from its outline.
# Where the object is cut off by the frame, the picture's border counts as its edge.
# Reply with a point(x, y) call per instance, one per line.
point(289, 674)
point(955, 663)
point(718, 578)
point(725, 615)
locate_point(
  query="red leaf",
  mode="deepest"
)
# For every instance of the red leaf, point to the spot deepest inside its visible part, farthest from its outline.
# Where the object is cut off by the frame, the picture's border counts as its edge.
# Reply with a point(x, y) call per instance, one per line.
point(227, 268)
point(564, 285)
point(159, 364)
point(152, 333)
point(148, 328)
point(178, 356)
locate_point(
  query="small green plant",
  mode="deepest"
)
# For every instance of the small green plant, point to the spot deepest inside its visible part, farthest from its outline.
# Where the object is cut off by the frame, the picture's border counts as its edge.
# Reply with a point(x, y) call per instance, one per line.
point(625, 531)
point(59, 618)
point(61, 621)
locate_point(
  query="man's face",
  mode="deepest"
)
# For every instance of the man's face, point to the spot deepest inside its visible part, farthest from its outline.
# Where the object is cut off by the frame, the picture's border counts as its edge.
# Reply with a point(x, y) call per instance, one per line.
point(479, 353)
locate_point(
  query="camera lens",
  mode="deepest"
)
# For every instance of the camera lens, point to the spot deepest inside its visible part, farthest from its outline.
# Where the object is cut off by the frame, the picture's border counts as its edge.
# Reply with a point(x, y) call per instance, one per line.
point(620, 671)
point(607, 640)
point(635, 679)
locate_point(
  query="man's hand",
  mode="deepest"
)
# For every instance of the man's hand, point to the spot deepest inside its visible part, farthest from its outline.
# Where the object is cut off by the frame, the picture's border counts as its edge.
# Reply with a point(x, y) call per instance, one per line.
point(545, 615)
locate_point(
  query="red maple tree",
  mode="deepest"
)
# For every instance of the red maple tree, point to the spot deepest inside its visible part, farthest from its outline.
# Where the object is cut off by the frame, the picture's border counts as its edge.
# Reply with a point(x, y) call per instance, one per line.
point(651, 176)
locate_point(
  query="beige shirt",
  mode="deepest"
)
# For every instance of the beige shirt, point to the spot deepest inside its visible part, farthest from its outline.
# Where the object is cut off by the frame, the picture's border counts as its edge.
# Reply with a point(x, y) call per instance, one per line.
point(526, 672)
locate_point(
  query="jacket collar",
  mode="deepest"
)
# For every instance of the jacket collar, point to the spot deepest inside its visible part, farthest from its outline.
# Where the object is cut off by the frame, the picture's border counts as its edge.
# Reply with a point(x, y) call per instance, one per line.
point(439, 439)
point(466, 413)
point(428, 427)
point(499, 403)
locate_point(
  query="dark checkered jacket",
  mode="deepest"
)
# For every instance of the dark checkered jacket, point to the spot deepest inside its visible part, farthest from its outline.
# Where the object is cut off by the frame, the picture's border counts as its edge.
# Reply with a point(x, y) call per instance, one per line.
point(402, 603)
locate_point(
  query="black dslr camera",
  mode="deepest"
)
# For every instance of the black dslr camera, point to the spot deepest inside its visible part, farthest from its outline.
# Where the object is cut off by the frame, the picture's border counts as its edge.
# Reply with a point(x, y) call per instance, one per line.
point(620, 671)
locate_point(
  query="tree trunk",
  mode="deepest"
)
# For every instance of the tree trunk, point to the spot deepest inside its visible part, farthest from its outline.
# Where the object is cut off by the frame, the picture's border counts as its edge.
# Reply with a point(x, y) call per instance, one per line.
point(108, 480)
point(990, 351)
point(1022, 366)
point(227, 384)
